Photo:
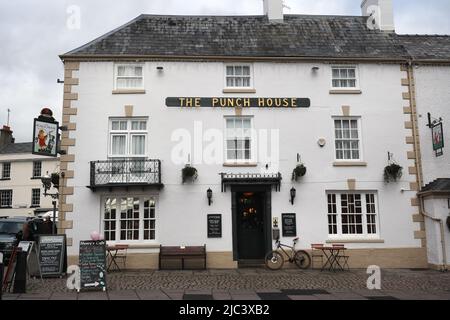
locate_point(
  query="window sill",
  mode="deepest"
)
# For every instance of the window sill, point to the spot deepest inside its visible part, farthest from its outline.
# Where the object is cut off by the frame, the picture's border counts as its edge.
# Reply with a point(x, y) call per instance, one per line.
point(355, 241)
point(129, 91)
point(240, 164)
point(35, 178)
point(231, 90)
point(334, 91)
point(5, 208)
point(349, 164)
point(5, 179)
point(34, 207)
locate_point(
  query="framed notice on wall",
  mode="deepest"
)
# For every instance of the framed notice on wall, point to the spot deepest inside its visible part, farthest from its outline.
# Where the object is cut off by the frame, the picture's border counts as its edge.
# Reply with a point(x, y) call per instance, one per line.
point(214, 226)
point(289, 224)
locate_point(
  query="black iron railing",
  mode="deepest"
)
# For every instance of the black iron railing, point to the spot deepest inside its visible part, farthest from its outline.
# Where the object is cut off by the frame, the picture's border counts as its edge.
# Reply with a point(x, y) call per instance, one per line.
point(125, 173)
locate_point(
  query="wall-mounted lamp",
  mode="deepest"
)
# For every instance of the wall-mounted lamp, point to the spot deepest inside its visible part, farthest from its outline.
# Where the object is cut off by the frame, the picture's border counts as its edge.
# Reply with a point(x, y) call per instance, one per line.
point(159, 68)
point(209, 195)
point(293, 193)
point(315, 68)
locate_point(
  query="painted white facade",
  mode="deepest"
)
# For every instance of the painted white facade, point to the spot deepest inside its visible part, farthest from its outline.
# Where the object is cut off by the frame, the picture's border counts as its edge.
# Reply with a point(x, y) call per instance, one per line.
point(22, 183)
point(182, 209)
point(433, 94)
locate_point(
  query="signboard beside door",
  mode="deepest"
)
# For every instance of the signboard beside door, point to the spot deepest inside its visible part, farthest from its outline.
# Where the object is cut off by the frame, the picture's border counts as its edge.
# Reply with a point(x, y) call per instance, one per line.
point(214, 226)
point(289, 224)
point(93, 265)
point(52, 250)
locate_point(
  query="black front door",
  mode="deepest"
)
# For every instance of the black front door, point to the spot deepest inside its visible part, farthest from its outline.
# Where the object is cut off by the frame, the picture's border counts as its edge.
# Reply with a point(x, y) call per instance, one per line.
point(250, 225)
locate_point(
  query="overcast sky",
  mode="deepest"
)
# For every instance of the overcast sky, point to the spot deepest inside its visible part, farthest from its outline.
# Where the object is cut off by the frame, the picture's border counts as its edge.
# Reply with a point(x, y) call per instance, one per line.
point(33, 34)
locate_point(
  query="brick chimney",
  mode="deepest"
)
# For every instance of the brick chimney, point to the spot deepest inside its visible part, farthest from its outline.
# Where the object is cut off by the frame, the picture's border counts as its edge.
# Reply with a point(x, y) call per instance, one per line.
point(273, 9)
point(382, 13)
point(6, 136)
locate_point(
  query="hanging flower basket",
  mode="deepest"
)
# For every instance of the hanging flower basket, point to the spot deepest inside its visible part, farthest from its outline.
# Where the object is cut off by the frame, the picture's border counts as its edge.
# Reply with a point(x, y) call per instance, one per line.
point(392, 172)
point(189, 173)
point(299, 171)
point(55, 180)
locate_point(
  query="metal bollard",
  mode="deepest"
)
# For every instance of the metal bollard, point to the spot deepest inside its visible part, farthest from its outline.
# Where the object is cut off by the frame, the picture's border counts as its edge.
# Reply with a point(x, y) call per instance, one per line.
point(20, 279)
point(1, 275)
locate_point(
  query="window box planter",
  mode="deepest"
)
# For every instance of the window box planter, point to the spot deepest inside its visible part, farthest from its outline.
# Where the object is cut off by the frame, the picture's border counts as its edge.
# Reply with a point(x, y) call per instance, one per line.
point(299, 171)
point(189, 173)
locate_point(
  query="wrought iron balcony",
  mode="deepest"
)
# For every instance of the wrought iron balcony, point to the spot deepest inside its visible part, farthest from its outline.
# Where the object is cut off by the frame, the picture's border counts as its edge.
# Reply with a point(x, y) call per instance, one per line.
point(125, 173)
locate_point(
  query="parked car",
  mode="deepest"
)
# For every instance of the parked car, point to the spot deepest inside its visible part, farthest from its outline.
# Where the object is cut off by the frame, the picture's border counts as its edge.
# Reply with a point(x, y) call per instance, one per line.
point(9, 230)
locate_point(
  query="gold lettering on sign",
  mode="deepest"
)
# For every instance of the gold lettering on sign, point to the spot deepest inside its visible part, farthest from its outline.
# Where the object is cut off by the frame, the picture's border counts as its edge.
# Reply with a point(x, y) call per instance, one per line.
point(223, 102)
point(182, 102)
point(197, 102)
point(294, 103)
point(239, 102)
point(277, 102)
point(260, 102)
point(285, 102)
point(215, 102)
point(230, 102)
point(246, 102)
point(189, 102)
point(269, 102)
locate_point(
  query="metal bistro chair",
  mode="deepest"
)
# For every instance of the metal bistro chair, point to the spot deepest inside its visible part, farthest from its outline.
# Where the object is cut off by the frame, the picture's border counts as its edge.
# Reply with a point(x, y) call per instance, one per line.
point(316, 253)
point(121, 254)
point(342, 258)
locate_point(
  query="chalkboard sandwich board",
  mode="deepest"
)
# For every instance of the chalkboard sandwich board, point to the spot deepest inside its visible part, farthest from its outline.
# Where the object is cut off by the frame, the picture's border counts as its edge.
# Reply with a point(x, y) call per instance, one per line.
point(289, 225)
point(214, 226)
point(93, 265)
point(52, 250)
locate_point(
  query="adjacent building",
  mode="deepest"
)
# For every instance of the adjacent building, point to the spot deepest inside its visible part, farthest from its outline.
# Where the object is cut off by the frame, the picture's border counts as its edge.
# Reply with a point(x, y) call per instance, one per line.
point(21, 191)
point(244, 100)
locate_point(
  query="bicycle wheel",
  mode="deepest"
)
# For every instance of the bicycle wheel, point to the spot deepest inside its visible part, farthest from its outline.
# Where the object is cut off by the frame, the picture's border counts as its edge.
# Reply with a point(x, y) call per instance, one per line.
point(302, 259)
point(274, 260)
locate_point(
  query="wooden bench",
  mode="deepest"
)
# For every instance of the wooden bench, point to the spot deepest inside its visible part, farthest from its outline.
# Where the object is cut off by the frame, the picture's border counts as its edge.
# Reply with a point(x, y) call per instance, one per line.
point(181, 255)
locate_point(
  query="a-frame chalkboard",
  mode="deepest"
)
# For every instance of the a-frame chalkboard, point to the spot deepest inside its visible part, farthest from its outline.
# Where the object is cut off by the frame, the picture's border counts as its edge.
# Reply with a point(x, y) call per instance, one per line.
point(93, 265)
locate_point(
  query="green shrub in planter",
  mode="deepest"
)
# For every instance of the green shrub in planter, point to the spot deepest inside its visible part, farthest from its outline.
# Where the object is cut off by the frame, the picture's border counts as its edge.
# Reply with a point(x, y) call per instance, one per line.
point(299, 171)
point(189, 173)
point(392, 172)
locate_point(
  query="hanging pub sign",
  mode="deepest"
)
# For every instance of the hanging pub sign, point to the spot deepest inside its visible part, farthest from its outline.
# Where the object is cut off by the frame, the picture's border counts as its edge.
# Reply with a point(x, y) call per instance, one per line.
point(45, 134)
point(438, 139)
point(220, 102)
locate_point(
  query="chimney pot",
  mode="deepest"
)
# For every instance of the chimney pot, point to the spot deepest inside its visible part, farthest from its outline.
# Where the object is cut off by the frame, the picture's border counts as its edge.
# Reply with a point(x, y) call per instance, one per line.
point(383, 14)
point(273, 9)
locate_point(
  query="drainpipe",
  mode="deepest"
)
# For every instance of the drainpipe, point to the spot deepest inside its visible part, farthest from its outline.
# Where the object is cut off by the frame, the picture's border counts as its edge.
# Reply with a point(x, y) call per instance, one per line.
point(441, 224)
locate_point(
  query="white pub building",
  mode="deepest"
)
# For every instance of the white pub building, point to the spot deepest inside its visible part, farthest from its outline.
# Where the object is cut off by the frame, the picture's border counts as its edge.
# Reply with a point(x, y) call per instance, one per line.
point(245, 100)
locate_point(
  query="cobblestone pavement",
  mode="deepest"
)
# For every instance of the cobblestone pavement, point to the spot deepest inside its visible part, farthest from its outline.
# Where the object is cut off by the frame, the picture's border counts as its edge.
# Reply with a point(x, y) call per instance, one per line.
point(251, 284)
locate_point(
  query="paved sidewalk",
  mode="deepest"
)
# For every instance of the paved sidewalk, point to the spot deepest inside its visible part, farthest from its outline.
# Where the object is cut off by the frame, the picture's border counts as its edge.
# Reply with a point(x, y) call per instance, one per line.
point(250, 284)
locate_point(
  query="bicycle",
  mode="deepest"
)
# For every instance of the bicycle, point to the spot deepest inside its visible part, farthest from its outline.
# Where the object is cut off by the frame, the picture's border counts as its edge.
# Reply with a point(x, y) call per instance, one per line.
point(275, 260)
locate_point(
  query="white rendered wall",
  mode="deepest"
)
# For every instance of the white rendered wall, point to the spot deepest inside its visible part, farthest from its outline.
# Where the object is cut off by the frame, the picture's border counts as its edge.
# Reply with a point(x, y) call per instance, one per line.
point(433, 95)
point(182, 209)
point(21, 183)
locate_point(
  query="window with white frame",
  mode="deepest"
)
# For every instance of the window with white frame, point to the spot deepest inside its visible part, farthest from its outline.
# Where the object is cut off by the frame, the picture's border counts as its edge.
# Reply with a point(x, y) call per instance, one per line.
point(6, 198)
point(238, 76)
point(35, 197)
point(37, 169)
point(352, 214)
point(6, 170)
point(347, 139)
point(129, 219)
point(344, 77)
point(128, 137)
point(129, 76)
point(239, 139)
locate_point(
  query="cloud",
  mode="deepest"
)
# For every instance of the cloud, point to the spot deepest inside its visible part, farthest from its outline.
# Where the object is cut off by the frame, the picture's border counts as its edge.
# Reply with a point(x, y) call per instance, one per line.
point(34, 33)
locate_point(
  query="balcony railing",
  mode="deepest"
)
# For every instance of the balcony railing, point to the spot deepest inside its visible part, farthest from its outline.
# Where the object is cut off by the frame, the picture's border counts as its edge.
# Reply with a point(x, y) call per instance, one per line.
point(125, 173)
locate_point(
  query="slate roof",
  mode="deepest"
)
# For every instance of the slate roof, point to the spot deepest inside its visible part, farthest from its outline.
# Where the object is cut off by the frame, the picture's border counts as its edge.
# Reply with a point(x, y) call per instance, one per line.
point(302, 36)
point(438, 185)
point(424, 47)
point(13, 148)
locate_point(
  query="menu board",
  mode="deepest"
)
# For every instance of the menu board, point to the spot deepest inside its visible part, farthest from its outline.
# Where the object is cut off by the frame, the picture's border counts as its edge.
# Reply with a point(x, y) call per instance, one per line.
point(93, 265)
point(214, 226)
point(289, 225)
point(51, 255)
